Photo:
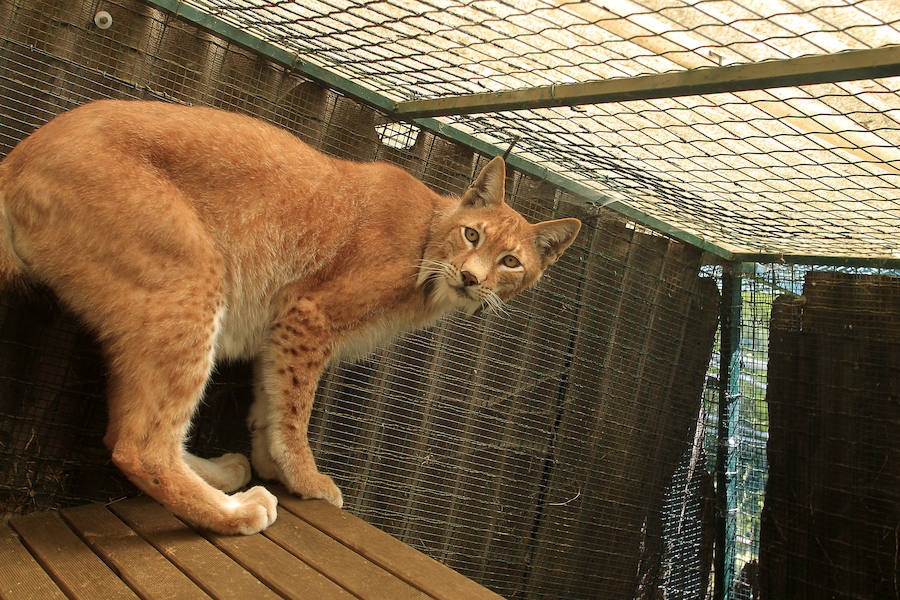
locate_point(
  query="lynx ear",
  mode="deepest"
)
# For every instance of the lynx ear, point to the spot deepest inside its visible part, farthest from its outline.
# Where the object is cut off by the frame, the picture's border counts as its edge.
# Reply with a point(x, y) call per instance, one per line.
point(553, 237)
point(489, 187)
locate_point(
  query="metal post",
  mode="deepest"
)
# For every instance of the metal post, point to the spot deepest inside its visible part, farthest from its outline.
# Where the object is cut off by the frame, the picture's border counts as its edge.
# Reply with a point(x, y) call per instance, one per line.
point(726, 459)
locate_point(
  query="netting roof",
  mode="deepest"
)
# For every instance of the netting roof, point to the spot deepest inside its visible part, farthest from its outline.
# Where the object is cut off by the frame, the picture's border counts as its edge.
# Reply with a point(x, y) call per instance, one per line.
point(774, 169)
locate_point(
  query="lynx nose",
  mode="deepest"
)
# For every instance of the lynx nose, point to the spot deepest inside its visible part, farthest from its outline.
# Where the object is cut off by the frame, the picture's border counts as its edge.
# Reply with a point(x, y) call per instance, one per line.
point(469, 279)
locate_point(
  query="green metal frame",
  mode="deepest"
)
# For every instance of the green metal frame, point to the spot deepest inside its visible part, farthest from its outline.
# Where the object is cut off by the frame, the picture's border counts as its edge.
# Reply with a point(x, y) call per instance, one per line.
point(349, 88)
point(852, 64)
point(279, 55)
point(812, 259)
point(726, 458)
point(806, 70)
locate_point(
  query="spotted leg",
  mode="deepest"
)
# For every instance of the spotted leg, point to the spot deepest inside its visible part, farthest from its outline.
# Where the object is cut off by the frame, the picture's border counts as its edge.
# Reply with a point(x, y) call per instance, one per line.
point(287, 374)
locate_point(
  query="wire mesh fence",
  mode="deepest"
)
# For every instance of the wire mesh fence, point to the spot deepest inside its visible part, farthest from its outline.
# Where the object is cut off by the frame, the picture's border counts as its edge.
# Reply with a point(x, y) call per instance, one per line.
point(760, 285)
point(829, 525)
point(763, 288)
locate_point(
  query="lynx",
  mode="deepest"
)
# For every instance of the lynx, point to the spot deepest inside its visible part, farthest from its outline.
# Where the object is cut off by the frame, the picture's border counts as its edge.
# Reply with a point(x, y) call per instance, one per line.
point(183, 236)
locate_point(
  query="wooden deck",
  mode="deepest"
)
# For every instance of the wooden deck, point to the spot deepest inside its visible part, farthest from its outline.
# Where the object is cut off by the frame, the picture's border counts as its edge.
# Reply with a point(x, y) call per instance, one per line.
point(137, 549)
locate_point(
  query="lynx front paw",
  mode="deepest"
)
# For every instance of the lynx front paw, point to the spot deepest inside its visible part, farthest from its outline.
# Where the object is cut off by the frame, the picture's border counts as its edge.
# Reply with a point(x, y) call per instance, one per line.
point(251, 511)
point(318, 486)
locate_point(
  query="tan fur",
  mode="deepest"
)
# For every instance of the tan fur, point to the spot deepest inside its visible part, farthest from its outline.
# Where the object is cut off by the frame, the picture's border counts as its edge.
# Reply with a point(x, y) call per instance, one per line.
point(188, 235)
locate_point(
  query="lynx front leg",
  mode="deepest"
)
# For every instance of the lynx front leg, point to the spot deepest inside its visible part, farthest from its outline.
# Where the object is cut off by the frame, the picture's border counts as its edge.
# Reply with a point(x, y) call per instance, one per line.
point(287, 374)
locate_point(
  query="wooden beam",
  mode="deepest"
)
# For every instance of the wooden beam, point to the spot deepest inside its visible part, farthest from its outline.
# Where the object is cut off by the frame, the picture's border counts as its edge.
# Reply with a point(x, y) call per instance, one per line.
point(806, 70)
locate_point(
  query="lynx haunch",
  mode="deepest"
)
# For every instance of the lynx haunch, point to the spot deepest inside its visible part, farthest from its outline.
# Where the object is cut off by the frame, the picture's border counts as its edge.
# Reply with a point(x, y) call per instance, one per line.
point(186, 235)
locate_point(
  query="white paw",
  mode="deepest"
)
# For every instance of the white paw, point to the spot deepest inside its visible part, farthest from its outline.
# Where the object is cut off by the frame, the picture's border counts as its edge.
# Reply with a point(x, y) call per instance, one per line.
point(227, 473)
point(251, 511)
point(318, 486)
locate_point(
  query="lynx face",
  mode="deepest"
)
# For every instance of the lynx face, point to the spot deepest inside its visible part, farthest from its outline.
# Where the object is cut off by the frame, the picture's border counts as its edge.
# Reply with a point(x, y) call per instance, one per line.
point(485, 252)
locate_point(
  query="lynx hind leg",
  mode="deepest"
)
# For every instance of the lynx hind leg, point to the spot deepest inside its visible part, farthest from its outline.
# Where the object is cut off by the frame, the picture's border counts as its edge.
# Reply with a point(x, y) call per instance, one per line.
point(149, 280)
point(288, 373)
point(151, 403)
point(150, 410)
point(228, 472)
point(160, 352)
point(154, 390)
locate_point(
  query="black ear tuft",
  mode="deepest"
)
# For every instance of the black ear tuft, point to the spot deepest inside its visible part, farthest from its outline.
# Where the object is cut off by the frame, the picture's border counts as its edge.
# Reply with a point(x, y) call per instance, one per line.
point(551, 238)
point(489, 187)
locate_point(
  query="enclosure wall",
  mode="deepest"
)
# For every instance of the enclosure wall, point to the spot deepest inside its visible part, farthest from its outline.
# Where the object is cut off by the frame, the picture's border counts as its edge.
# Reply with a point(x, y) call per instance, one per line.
point(832, 508)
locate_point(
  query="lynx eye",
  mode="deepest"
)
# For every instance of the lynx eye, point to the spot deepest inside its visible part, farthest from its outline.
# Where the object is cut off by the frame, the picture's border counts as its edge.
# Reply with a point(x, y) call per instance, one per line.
point(471, 235)
point(509, 261)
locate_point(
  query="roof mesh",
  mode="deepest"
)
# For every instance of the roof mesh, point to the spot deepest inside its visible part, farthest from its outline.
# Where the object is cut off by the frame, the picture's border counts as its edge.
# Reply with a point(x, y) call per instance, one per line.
point(811, 170)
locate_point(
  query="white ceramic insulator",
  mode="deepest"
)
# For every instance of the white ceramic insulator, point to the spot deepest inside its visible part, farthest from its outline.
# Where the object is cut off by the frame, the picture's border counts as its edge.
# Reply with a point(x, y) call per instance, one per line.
point(103, 20)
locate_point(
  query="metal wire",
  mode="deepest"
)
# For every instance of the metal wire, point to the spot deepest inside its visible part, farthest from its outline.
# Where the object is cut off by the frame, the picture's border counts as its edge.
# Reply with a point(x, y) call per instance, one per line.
point(761, 287)
point(492, 443)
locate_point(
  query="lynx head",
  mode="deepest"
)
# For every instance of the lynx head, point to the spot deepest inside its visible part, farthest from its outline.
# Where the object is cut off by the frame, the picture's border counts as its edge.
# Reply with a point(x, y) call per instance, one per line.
point(483, 252)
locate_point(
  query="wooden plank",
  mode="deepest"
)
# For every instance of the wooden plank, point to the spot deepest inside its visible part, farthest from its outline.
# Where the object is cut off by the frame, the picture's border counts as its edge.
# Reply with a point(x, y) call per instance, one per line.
point(138, 563)
point(408, 564)
point(216, 573)
point(281, 570)
point(363, 579)
point(71, 563)
point(21, 577)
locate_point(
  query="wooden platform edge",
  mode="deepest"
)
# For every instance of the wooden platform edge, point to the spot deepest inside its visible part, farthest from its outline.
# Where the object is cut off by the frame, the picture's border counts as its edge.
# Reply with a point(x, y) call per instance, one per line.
point(228, 567)
point(136, 548)
point(78, 571)
point(406, 563)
